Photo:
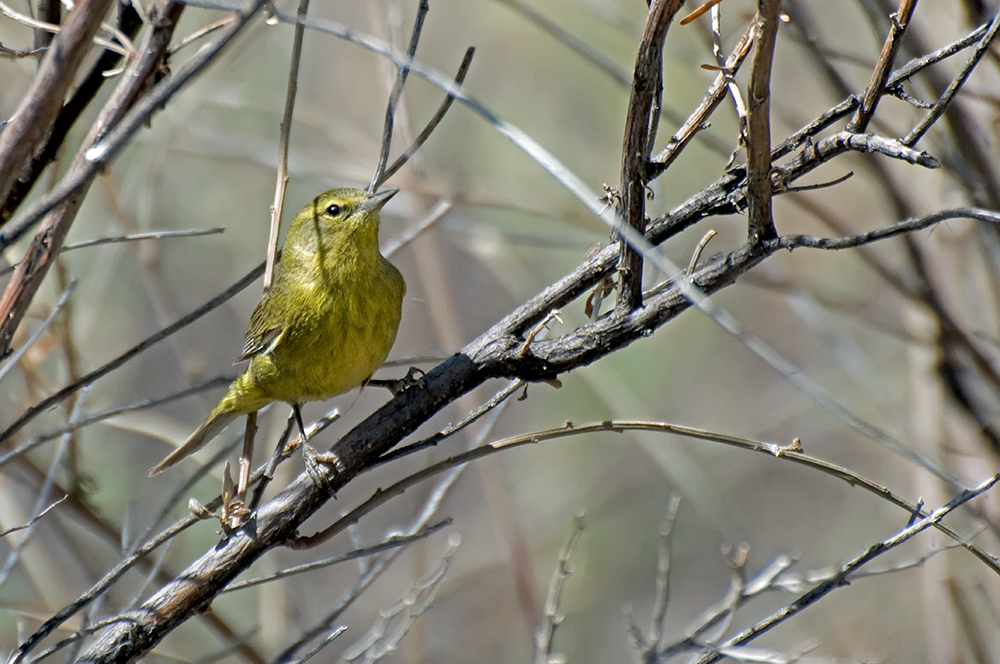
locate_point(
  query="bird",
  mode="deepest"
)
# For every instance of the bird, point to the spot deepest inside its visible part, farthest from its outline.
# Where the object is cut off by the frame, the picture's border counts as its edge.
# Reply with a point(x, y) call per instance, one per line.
point(326, 324)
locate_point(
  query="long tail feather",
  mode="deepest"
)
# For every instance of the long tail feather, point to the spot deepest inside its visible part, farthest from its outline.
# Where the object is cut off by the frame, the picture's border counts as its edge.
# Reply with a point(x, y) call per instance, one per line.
point(209, 429)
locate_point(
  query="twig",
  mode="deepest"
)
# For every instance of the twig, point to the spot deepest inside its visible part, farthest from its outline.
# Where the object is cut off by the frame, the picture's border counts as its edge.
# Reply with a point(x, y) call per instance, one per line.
point(87, 420)
point(394, 96)
point(430, 508)
point(877, 86)
point(761, 221)
point(16, 357)
point(107, 368)
point(392, 542)
point(283, 138)
point(43, 494)
point(791, 242)
point(846, 570)
point(661, 601)
point(698, 120)
point(499, 398)
point(201, 33)
point(320, 646)
point(128, 24)
point(551, 616)
point(696, 254)
point(97, 589)
point(442, 208)
point(770, 449)
point(133, 237)
point(116, 139)
point(640, 133)
point(40, 106)
point(843, 141)
point(33, 519)
point(956, 84)
point(384, 637)
point(45, 246)
point(584, 49)
point(904, 73)
point(463, 70)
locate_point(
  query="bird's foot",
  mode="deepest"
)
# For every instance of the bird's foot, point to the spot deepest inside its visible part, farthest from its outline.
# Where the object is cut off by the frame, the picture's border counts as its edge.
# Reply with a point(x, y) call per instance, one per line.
point(413, 377)
point(314, 459)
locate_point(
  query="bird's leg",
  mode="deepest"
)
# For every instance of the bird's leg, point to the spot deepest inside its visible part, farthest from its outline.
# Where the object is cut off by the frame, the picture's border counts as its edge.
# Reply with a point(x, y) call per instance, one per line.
point(276, 457)
point(298, 420)
point(312, 458)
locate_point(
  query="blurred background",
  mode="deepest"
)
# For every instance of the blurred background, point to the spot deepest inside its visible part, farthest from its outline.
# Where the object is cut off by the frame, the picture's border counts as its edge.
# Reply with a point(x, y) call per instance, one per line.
point(208, 160)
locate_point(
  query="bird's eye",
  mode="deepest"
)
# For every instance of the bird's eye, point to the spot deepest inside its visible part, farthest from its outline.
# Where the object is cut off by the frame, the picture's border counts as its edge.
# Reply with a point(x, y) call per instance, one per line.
point(333, 210)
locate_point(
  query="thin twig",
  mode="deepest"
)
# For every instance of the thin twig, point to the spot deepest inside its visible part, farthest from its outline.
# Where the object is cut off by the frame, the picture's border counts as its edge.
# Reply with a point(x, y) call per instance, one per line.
point(791, 242)
point(133, 237)
point(877, 86)
point(499, 398)
point(551, 616)
point(16, 357)
point(320, 646)
point(430, 507)
point(100, 416)
point(845, 571)
point(657, 619)
point(463, 70)
point(956, 84)
point(283, 138)
point(107, 368)
point(118, 137)
point(396, 94)
point(409, 235)
point(716, 93)
point(788, 453)
point(392, 542)
point(395, 620)
point(33, 519)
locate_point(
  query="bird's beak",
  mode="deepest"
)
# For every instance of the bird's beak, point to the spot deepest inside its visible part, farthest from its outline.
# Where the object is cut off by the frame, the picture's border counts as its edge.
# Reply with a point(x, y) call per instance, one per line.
point(376, 201)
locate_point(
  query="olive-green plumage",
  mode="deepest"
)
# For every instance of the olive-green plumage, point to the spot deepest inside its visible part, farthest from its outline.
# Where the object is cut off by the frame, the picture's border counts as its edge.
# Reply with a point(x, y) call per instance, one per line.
point(328, 321)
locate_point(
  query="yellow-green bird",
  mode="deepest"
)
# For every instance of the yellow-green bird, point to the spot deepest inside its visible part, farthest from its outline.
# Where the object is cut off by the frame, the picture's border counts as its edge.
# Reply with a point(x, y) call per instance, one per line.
point(328, 321)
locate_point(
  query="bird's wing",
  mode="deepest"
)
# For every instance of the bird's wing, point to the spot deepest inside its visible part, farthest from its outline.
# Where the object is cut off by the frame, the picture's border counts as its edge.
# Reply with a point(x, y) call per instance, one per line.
point(261, 333)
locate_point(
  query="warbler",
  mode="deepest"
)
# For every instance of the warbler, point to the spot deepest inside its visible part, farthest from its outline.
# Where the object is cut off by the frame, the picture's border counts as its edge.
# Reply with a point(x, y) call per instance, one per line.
point(327, 322)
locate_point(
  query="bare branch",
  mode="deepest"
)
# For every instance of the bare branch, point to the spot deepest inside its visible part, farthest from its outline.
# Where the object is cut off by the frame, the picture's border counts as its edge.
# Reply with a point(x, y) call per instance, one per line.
point(394, 97)
point(551, 616)
point(640, 133)
point(761, 220)
point(877, 86)
point(284, 135)
point(846, 571)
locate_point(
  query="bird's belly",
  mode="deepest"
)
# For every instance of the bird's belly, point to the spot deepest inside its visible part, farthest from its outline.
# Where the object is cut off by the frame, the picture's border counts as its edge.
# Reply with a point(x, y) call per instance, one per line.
point(335, 353)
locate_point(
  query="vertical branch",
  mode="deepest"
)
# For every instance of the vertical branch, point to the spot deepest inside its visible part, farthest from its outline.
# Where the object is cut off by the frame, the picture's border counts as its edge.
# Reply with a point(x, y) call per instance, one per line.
point(128, 24)
point(285, 133)
point(47, 243)
point(761, 225)
point(397, 91)
point(432, 124)
point(637, 144)
point(876, 87)
point(34, 117)
point(47, 11)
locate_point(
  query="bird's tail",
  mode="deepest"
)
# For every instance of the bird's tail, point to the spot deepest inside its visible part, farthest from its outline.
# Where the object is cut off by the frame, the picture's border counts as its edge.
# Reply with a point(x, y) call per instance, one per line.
point(208, 430)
